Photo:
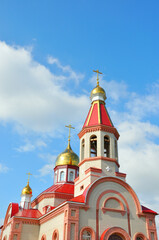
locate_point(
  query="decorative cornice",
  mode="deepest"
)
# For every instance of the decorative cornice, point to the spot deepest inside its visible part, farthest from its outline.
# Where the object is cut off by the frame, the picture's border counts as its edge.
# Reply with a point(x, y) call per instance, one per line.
point(99, 158)
point(99, 127)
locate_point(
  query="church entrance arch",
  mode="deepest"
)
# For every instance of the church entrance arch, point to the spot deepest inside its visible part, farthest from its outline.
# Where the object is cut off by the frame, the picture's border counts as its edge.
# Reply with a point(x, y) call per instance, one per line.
point(115, 237)
point(115, 233)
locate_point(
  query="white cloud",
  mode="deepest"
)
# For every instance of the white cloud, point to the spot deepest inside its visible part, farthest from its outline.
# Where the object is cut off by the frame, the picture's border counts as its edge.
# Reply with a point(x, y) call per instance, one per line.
point(30, 95)
point(3, 168)
point(28, 146)
point(47, 169)
point(141, 106)
point(66, 69)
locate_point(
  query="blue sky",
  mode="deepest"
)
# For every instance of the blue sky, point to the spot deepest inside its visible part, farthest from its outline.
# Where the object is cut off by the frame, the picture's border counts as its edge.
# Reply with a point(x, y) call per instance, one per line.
point(48, 50)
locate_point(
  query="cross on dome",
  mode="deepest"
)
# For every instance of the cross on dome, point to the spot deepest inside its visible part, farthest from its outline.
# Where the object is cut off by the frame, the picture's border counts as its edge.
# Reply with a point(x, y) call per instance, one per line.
point(97, 71)
point(28, 176)
point(69, 126)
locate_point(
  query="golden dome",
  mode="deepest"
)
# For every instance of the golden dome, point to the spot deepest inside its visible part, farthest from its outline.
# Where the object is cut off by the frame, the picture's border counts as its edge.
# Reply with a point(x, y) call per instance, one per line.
point(27, 189)
point(67, 157)
point(98, 89)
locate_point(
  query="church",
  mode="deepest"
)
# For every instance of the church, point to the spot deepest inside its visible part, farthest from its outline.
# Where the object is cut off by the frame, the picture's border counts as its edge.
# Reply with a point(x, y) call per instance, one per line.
point(90, 198)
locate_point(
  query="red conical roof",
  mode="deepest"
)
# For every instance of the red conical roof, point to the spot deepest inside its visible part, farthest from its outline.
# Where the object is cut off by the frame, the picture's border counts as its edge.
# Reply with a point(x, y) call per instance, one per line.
point(98, 115)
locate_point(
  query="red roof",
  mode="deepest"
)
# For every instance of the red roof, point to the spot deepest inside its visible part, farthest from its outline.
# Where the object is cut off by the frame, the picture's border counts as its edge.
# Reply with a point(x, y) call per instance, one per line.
point(98, 115)
point(15, 208)
point(147, 210)
point(61, 188)
point(29, 213)
point(79, 198)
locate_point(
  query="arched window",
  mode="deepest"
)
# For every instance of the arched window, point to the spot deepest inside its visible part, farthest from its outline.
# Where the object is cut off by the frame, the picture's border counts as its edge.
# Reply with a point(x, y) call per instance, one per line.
point(71, 176)
point(62, 175)
point(115, 237)
point(55, 177)
point(116, 149)
point(93, 146)
point(86, 235)
point(43, 237)
point(82, 149)
point(139, 238)
point(55, 235)
point(106, 146)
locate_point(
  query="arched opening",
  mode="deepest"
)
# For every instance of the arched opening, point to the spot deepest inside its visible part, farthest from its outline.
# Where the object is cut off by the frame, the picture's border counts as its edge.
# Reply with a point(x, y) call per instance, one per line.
point(71, 176)
point(93, 146)
point(139, 238)
point(82, 149)
point(55, 235)
point(62, 176)
point(43, 237)
point(55, 177)
point(86, 235)
point(115, 237)
point(116, 149)
point(106, 146)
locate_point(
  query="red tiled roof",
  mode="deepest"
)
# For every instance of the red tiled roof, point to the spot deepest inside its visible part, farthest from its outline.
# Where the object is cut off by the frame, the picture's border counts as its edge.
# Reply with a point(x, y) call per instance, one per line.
point(29, 213)
point(79, 198)
point(61, 188)
point(147, 210)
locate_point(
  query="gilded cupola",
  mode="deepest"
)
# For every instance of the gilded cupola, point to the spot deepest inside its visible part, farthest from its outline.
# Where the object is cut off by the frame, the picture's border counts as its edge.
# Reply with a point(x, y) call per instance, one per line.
point(68, 157)
point(98, 92)
point(27, 189)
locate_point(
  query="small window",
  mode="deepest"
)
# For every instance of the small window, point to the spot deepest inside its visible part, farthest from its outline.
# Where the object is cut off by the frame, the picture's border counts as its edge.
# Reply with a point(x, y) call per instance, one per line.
point(106, 146)
point(152, 236)
point(139, 238)
point(55, 177)
point(81, 187)
point(116, 149)
point(15, 236)
point(71, 176)
point(17, 225)
point(82, 149)
point(43, 237)
point(73, 213)
point(93, 146)
point(55, 235)
point(86, 235)
point(62, 175)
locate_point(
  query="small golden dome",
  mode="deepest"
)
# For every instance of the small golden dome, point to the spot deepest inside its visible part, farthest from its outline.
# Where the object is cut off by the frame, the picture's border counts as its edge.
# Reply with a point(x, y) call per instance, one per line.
point(27, 189)
point(68, 157)
point(98, 89)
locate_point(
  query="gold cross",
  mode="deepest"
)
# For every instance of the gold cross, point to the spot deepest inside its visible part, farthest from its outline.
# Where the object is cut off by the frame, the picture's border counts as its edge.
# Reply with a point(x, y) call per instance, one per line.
point(69, 126)
point(29, 176)
point(97, 71)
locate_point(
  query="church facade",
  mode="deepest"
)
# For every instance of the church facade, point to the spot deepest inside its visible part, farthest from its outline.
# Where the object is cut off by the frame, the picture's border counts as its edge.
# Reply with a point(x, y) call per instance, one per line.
point(90, 198)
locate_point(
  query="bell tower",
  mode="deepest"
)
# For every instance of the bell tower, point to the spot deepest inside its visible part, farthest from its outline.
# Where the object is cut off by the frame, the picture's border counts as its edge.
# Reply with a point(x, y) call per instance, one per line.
point(98, 143)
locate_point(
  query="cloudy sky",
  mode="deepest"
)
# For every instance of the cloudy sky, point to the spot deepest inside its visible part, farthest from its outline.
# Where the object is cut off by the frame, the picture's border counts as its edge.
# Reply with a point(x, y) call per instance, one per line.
point(48, 50)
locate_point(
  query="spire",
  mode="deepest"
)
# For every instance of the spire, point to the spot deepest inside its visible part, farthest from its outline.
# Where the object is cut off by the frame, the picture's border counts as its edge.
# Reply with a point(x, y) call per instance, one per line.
point(98, 114)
